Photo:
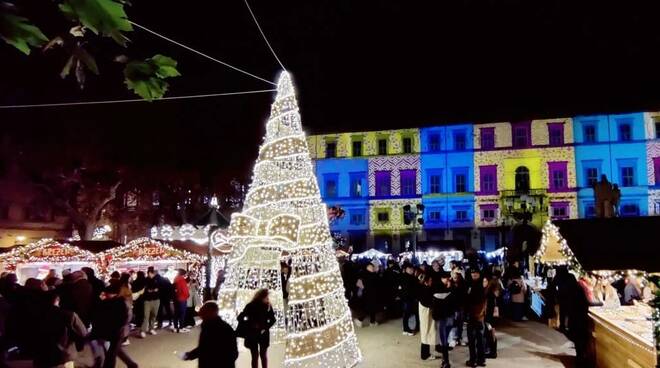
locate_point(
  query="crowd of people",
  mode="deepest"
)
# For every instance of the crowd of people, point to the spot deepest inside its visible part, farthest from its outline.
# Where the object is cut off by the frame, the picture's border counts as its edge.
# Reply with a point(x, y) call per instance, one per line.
point(49, 320)
point(446, 308)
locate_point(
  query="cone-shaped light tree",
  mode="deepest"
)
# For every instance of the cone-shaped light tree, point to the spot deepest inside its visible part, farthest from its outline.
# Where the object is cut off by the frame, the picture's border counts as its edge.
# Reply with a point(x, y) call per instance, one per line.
point(283, 217)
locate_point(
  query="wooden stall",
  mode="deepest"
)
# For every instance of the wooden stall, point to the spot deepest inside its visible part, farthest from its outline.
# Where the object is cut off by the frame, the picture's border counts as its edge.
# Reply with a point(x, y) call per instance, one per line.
point(35, 260)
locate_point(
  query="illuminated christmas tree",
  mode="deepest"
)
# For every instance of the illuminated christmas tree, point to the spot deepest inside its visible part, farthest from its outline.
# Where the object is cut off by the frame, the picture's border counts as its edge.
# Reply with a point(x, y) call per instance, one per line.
point(283, 218)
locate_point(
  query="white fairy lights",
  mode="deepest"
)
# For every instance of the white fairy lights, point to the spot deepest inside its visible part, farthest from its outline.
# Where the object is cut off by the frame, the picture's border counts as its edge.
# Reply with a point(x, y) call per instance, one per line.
point(547, 252)
point(284, 219)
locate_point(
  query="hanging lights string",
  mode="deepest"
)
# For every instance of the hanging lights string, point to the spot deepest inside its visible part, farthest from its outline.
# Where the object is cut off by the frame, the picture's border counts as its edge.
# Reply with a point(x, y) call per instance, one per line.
point(201, 53)
point(263, 35)
point(105, 102)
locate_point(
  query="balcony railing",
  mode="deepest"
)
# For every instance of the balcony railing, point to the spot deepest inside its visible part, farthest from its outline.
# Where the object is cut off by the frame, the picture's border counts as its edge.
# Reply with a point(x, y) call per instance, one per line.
point(521, 192)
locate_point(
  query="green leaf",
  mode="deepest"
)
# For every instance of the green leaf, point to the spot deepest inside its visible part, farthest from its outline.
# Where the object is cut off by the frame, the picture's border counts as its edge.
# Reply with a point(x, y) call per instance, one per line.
point(18, 32)
point(147, 78)
point(105, 17)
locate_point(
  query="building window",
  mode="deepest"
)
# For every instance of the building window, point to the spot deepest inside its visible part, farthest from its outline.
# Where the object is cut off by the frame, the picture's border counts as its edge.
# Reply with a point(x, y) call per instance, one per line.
point(558, 175)
point(435, 183)
point(357, 148)
point(522, 179)
point(521, 135)
point(556, 134)
point(559, 210)
point(589, 133)
point(657, 130)
point(629, 209)
point(331, 149)
point(487, 138)
point(461, 215)
point(383, 216)
point(408, 182)
point(488, 179)
point(331, 186)
point(357, 184)
point(589, 210)
point(382, 146)
point(488, 212)
point(625, 132)
point(357, 217)
point(459, 141)
point(591, 176)
point(434, 142)
point(434, 216)
point(656, 170)
point(407, 145)
point(383, 181)
point(627, 176)
point(460, 181)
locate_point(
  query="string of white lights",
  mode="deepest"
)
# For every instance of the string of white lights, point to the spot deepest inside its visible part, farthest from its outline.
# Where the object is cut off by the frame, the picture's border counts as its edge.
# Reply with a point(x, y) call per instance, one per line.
point(201, 53)
point(106, 102)
point(263, 35)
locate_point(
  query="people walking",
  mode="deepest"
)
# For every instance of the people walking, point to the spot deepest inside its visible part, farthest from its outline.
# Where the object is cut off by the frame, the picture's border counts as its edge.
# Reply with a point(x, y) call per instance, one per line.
point(258, 317)
point(194, 300)
point(151, 304)
point(56, 335)
point(369, 283)
point(181, 295)
point(517, 291)
point(475, 309)
point(444, 308)
point(77, 295)
point(217, 347)
point(427, 326)
point(408, 294)
point(460, 289)
point(166, 296)
point(111, 327)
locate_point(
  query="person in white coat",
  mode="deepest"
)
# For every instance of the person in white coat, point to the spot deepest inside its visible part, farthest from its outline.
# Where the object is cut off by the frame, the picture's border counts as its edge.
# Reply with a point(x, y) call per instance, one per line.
point(427, 325)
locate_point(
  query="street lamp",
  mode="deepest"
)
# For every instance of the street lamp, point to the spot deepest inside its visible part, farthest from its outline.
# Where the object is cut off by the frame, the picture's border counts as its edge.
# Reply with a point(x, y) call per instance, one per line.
point(414, 216)
point(214, 219)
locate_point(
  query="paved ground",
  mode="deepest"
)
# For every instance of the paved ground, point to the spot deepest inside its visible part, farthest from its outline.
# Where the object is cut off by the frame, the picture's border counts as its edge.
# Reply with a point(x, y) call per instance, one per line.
point(521, 345)
point(525, 344)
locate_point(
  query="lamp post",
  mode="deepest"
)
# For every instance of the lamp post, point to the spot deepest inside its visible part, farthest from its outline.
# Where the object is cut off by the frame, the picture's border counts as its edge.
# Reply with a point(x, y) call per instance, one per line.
point(214, 220)
point(414, 216)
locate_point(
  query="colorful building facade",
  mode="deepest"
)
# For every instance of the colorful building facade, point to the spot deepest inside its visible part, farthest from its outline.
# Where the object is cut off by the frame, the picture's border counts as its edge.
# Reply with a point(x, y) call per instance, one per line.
point(477, 180)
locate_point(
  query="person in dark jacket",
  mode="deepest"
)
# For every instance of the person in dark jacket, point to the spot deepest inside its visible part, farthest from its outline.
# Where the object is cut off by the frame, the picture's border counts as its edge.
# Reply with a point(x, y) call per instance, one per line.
point(111, 320)
point(460, 290)
point(407, 292)
point(56, 335)
point(166, 295)
point(258, 317)
point(443, 310)
point(151, 303)
point(137, 288)
point(475, 310)
point(77, 295)
point(97, 285)
point(217, 347)
point(370, 280)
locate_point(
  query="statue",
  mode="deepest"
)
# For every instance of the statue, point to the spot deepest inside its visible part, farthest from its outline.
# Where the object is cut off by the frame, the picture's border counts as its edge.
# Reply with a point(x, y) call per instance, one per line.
point(605, 196)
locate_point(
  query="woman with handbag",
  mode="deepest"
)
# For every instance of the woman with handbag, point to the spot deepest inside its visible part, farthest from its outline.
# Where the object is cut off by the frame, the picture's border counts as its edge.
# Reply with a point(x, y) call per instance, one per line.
point(254, 325)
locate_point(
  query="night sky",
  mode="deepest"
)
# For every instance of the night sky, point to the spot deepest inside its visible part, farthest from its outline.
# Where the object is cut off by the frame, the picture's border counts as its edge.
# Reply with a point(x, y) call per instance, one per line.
point(358, 65)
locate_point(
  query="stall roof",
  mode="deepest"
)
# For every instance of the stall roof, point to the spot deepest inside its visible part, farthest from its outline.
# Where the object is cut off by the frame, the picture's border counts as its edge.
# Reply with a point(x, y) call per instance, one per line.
point(192, 247)
point(441, 245)
point(614, 243)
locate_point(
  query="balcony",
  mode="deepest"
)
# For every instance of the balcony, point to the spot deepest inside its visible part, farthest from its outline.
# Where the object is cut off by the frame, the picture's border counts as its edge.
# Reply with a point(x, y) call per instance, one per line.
point(523, 192)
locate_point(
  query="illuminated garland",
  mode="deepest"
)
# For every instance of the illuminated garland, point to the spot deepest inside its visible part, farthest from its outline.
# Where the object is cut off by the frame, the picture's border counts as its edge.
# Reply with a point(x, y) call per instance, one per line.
point(550, 230)
point(284, 219)
point(655, 304)
point(145, 250)
point(47, 251)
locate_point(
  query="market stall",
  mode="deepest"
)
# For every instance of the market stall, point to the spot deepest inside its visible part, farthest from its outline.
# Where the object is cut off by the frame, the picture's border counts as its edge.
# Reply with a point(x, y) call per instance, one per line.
point(621, 336)
point(142, 253)
point(35, 260)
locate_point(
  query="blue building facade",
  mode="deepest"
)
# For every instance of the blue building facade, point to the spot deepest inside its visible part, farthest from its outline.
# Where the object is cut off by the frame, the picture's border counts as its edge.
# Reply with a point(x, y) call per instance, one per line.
point(447, 166)
point(343, 183)
point(614, 146)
